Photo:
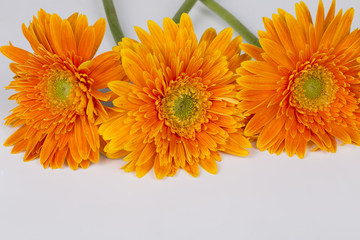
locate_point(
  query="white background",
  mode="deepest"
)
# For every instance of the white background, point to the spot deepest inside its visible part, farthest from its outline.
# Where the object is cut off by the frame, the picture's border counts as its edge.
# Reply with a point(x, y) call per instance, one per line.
point(261, 196)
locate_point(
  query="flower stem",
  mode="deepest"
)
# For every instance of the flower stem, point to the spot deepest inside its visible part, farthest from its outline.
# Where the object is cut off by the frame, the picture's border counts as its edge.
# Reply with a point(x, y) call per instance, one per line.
point(113, 20)
point(230, 19)
point(185, 8)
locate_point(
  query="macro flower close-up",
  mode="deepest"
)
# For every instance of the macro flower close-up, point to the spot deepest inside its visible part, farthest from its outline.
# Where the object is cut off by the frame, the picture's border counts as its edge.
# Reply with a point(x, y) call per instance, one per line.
point(184, 119)
point(57, 90)
point(180, 108)
point(303, 87)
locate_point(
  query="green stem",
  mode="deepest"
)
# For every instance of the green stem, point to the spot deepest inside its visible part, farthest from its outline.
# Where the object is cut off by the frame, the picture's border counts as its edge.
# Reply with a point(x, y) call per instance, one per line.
point(185, 8)
point(232, 21)
point(113, 20)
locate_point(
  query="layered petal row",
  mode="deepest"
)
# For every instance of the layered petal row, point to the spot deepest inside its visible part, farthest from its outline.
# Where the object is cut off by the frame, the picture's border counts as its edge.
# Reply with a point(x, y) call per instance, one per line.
point(303, 86)
point(180, 108)
point(57, 90)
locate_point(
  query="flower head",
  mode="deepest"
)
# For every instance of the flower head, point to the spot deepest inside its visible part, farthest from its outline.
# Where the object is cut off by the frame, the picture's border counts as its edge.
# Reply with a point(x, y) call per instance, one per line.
point(181, 107)
point(304, 85)
point(59, 107)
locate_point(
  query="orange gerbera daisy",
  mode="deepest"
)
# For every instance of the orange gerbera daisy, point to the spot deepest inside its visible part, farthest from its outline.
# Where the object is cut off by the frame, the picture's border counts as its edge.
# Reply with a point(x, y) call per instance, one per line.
point(304, 85)
point(181, 108)
point(59, 104)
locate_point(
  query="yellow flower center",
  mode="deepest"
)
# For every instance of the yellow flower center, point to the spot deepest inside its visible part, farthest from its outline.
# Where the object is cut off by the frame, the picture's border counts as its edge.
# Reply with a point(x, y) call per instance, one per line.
point(314, 89)
point(185, 105)
point(60, 89)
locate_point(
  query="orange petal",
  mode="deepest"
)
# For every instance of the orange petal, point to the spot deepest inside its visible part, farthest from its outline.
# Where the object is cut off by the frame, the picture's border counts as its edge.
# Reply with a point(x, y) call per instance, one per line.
point(87, 43)
point(16, 54)
point(209, 165)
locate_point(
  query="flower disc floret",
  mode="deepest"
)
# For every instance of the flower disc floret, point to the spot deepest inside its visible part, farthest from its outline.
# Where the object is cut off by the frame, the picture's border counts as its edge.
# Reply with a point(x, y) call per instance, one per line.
point(314, 89)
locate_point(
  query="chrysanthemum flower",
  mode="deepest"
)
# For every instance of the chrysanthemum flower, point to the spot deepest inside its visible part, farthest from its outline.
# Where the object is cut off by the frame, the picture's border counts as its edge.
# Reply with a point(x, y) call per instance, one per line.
point(180, 109)
point(59, 107)
point(304, 85)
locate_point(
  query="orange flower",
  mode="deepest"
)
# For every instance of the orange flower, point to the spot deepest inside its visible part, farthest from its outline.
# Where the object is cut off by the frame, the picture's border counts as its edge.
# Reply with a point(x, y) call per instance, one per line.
point(57, 90)
point(304, 85)
point(181, 109)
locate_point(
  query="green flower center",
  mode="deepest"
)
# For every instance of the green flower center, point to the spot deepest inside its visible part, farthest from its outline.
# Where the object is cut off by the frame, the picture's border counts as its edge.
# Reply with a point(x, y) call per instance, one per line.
point(314, 89)
point(59, 89)
point(62, 89)
point(183, 106)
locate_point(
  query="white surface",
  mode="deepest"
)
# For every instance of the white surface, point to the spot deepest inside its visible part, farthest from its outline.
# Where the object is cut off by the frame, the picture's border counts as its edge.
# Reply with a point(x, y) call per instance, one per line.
point(261, 196)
